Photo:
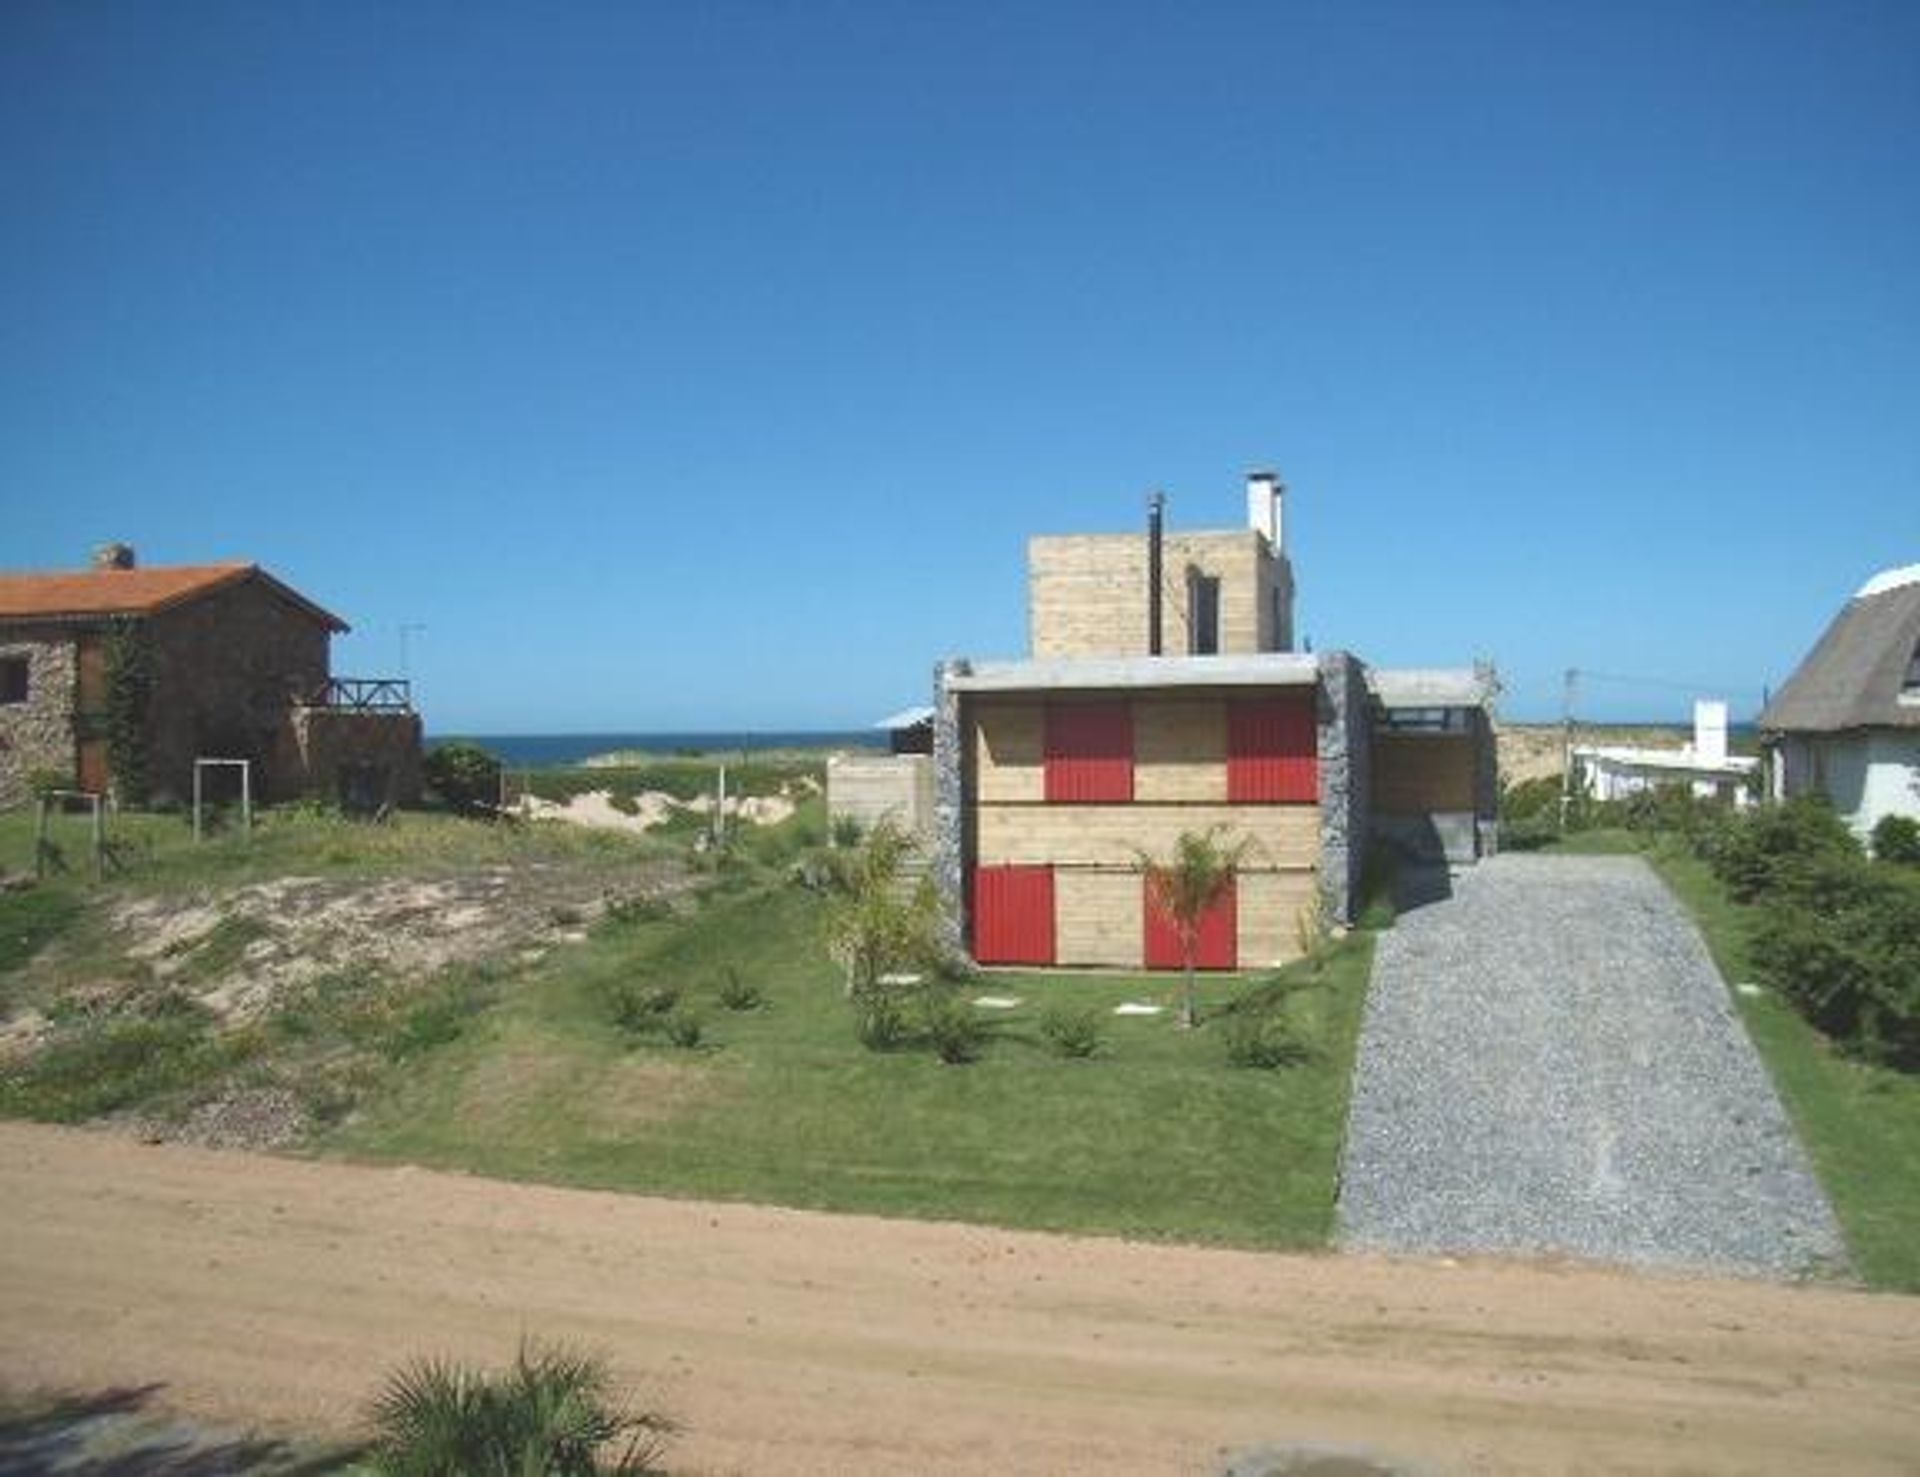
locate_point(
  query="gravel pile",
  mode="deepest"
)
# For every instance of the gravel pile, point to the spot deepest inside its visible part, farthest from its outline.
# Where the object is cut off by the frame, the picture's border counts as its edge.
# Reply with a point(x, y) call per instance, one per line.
point(1551, 1064)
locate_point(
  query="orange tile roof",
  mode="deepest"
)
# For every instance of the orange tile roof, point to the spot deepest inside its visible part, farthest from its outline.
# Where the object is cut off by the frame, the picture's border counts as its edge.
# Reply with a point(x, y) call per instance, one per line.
point(105, 592)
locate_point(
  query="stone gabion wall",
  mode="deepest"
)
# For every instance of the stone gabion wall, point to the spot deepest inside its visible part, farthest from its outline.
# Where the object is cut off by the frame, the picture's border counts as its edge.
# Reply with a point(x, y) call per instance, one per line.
point(948, 859)
point(37, 734)
point(1345, 782)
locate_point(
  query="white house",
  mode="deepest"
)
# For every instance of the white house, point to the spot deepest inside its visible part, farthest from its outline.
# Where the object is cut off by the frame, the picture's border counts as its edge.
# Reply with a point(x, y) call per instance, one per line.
point(1613, 772)
point(1847, 723)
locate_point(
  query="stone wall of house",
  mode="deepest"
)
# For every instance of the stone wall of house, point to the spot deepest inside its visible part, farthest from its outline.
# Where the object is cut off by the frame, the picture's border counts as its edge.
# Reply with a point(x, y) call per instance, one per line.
point(37, 734)
point(1087, 593)
point(226, 670)
point(1345, 782)
point(359, 760)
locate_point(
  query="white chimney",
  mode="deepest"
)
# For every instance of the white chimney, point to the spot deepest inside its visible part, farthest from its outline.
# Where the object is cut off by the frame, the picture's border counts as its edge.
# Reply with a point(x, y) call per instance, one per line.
point(1709, 731)
point(1264, 491)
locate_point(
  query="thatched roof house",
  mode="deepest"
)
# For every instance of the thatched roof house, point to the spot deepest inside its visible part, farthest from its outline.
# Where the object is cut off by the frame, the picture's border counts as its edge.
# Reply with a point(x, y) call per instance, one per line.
point(1847, 723)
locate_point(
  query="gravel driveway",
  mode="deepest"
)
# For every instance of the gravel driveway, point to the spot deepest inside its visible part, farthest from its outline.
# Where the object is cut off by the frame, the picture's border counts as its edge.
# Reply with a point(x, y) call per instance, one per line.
point(1550, 1063)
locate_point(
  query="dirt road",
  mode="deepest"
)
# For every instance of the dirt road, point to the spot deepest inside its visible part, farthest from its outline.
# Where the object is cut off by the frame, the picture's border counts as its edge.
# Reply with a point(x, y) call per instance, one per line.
point(278, 1291)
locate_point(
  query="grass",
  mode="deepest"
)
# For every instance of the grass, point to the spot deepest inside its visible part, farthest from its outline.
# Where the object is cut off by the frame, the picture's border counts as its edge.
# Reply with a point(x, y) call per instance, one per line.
point(1156, 1135)
point(160, 854)
point(1860, 1124)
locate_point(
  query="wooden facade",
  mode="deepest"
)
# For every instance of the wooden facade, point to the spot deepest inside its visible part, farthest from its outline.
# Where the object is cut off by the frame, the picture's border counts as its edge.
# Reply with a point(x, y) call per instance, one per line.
point(1179, 764)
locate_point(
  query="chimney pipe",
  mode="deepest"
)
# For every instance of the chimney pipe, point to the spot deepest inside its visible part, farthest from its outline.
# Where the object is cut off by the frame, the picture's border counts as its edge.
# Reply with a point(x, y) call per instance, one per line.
point(1156, 513)
point(1264, 492)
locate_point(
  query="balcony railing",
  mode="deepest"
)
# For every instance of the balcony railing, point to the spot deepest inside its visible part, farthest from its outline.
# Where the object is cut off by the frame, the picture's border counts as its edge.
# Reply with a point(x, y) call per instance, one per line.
point(364, 695)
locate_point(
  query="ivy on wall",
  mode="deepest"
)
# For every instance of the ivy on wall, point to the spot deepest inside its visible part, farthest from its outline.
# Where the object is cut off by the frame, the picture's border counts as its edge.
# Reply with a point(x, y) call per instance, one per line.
point(129, 681)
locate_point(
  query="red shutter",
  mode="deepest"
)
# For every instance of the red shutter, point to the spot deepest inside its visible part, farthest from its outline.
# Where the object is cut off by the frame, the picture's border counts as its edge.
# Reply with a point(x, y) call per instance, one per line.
point(1217, 945)
point(1271, 750)
point(1013, 915)
point(1089, 752)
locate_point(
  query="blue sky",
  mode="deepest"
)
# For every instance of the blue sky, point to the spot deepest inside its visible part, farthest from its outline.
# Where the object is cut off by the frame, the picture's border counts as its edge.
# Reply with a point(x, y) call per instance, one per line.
point(707, 366)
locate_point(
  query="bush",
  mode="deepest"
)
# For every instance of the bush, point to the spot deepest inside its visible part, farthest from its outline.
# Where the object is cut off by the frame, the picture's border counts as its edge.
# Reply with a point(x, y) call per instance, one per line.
point(1758, 851)
point(956, 1033)
point(879, 1021)
point(552, 1413)
point(1852, 970)
point(640, 1005)
point(1262, 1040)
point(465, 777)
point(1896, 839)
point(1071, 1033)
point(684, 1029)
point(738, 994)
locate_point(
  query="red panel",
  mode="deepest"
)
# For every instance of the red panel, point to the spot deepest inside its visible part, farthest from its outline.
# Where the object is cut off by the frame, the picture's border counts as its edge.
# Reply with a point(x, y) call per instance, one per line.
point(1013, 915)
point(1271, 750)
point(1217, 945)
point(1090, 752)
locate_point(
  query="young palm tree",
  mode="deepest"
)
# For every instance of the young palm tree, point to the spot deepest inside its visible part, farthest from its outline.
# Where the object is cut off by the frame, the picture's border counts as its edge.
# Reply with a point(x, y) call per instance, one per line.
point(1187, 888)
point(551, 1415)
point(879, 918)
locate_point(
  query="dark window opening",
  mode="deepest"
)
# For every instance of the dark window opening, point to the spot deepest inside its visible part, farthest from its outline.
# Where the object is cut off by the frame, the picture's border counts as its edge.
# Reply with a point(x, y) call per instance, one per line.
point(13, 679)
point(1425, 720)
point(1910, 684)
point(1203, 596)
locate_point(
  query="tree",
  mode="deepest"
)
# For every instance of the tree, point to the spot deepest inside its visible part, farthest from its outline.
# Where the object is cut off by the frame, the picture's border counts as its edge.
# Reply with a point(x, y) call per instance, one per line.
point(1187, 888)
point(878, 919)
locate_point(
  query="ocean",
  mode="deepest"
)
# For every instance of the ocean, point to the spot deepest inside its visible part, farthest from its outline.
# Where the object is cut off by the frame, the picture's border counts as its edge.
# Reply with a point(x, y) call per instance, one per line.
point(551, 750)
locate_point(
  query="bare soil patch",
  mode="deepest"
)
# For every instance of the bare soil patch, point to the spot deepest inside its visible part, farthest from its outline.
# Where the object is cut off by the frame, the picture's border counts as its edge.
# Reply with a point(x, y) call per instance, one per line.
point(275, 1291)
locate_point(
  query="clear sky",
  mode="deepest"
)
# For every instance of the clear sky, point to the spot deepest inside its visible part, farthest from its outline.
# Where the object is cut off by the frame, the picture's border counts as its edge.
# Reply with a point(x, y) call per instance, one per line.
point(707, 365)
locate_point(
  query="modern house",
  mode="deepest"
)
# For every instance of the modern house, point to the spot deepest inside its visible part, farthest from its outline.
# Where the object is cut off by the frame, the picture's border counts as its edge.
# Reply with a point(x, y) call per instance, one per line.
point(1847, 722)
point(238, 668)
point(1616, 771)
point(1164, 696)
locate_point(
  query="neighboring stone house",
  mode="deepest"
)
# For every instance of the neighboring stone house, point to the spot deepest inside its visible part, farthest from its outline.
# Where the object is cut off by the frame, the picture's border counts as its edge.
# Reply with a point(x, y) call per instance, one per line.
point(1847, 723)
point(240, 670)
point(1053, 775)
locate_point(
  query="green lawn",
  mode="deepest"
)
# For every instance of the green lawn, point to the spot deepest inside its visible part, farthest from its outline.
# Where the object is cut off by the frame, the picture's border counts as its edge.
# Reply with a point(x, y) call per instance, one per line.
point(1861, 1124)
point(1155, 1136)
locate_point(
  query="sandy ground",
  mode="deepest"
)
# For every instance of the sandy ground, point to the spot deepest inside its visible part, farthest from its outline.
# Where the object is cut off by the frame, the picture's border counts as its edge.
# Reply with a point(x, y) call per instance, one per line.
point(277, 1291)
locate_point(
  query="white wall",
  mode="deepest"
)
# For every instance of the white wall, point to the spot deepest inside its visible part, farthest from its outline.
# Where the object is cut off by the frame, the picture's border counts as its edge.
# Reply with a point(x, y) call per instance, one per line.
point(1865, 775)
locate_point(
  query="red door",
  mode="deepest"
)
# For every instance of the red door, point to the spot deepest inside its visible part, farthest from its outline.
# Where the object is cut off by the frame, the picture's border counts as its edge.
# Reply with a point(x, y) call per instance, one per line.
point(1216, 947)
point(1271, 755)
point(1013, 915)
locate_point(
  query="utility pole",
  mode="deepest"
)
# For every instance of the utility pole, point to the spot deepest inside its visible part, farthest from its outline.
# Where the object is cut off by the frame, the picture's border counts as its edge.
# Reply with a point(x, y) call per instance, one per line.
point(1569, 698)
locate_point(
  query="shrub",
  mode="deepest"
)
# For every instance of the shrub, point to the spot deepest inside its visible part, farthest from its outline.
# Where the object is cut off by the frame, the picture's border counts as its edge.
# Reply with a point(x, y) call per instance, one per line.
point(846, 832)
point(464, 775)
point(954, 1030)
point(1070, 1033)
point(684, 1029)
point(879, 1021)
point(640, 1005)
point(1261, 1039)
point(1757, 851)
point(1896, 839)
point(738, 994)
point(552, 1413)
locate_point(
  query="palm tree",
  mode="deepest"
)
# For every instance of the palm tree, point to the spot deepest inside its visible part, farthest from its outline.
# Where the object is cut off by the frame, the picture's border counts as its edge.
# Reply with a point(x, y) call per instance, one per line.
point(880, 917)
point(552, 1414)
point(1186, 890)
